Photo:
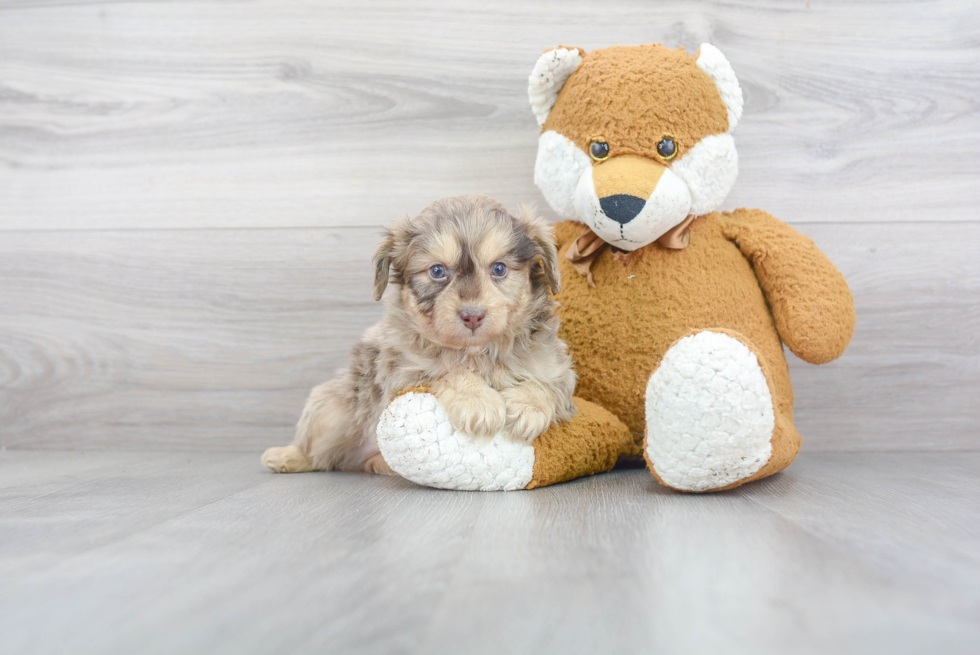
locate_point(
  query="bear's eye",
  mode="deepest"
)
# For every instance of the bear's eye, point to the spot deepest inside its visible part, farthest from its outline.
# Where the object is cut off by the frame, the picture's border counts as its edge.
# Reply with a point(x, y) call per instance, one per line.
point(667, 148)
point(499, 269)
point(437, 272)
point(599, 150)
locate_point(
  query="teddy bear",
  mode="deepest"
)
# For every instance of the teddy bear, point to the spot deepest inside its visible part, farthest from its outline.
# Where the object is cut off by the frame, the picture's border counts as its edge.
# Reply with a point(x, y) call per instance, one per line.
point(675, 313)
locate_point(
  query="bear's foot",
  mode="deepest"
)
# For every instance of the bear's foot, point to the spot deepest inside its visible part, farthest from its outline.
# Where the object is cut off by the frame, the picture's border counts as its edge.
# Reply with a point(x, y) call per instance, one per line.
point(419, 443)
point(710, 417)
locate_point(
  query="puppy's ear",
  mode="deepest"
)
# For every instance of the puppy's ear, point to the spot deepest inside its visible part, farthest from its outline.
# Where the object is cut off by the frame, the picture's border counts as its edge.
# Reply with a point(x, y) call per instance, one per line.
point(542, 234)
point(395, 237)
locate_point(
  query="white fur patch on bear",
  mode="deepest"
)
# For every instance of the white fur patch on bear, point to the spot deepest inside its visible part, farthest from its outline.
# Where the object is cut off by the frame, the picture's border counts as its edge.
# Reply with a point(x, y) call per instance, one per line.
point(709, 170)
point(419, 443)
point(550, 72)
point(557, 170)
point(667, 206)
point(709, 413)
point(712, 62)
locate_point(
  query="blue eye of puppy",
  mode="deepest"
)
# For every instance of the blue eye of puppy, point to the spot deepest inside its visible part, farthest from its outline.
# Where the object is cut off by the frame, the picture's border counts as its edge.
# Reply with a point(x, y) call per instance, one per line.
point(438, 272)
point(498, 270)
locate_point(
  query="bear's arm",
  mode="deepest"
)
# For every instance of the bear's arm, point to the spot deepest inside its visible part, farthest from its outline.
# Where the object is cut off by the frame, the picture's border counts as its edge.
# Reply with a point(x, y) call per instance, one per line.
point(810, 300)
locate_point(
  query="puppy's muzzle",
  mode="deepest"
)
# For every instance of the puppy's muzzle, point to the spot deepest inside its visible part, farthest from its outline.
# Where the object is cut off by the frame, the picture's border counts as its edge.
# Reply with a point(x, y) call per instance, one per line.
point(472, 317)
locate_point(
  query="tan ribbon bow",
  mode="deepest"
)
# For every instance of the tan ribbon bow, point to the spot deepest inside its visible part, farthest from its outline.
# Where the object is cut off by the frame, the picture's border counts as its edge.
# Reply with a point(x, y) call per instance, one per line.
point(589, 245)
point(584, 251)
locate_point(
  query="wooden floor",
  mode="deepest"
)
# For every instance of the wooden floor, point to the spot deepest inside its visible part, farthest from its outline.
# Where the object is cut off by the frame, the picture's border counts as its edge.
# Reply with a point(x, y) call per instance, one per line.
point(208, 553)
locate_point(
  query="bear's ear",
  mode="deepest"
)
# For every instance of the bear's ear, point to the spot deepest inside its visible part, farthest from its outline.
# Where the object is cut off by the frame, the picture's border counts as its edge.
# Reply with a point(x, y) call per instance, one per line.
point(548, 77)
point(712, 62)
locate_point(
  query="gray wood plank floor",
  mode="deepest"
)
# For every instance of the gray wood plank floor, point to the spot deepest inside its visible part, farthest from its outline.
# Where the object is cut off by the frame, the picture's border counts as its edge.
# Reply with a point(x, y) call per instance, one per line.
point(172, 552)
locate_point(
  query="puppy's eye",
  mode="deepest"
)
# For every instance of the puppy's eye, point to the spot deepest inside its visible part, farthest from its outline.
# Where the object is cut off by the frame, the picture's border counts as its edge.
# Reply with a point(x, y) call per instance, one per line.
point(498, 270)
point(667, 148)
point(599, 150)
point(437, 272)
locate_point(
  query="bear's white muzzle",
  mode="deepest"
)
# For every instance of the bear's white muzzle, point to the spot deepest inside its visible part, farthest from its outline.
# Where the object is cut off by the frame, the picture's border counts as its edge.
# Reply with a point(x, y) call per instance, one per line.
point(627, 221)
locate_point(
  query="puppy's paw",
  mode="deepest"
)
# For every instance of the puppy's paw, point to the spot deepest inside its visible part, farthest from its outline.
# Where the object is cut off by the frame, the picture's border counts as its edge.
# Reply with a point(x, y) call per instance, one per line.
point(479, 412)
point(376, 464)
point(288, 459)
point(525, 418)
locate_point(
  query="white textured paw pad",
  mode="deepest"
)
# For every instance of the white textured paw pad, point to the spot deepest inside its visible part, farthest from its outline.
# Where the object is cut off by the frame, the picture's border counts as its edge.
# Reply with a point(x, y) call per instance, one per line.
point(420, 444)
point(709, 413)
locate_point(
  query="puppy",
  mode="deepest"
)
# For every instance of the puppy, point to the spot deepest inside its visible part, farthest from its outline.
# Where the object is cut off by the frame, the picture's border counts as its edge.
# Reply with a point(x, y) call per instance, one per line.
point(468, 316)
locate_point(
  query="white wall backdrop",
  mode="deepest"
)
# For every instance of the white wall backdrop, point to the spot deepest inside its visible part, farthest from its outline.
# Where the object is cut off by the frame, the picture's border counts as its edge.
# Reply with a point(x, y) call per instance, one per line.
point(190, 193)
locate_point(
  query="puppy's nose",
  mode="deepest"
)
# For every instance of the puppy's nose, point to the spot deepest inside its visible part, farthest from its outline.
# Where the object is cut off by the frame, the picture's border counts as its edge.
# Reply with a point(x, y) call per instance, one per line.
point(472, 317)
point(622, 208)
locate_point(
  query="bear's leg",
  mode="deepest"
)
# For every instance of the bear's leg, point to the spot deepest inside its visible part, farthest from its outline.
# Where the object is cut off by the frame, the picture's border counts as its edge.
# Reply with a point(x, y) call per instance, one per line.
point(711, 420)
point(419, 443)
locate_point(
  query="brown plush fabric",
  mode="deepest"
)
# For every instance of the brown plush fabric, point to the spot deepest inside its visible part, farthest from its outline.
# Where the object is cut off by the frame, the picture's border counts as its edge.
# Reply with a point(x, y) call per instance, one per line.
point(735, 266)
point(418, 389)
point(810, 300)
point(590, 443)
point(617, 95)
point(742, 273)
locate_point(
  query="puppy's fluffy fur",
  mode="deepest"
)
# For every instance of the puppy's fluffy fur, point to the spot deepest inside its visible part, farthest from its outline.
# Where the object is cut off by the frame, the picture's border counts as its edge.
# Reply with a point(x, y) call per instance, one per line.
point(468, 316)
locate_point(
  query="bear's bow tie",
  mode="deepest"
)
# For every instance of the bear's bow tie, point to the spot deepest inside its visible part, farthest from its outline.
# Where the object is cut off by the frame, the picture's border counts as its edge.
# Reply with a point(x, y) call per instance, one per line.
point(589, 245)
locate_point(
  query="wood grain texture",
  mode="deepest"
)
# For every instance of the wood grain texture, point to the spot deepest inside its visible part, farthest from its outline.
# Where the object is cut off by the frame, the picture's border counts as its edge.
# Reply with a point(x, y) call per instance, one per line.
point(212, 338)
point(307, 113)
point(189, 192)
point(911, 376)
point(208, 553)
point(205, 338)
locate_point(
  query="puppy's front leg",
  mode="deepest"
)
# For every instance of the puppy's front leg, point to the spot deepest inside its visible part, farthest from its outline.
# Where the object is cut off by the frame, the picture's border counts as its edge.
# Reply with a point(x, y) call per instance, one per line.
point(530, 410)
point(471, 404)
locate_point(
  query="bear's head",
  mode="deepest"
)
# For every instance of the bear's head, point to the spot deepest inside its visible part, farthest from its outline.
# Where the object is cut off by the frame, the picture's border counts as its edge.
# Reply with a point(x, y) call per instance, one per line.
point(634, 140)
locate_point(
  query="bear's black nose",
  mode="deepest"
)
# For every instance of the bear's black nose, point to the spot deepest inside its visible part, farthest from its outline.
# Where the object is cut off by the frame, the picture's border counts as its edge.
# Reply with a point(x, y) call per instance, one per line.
point(621, 207)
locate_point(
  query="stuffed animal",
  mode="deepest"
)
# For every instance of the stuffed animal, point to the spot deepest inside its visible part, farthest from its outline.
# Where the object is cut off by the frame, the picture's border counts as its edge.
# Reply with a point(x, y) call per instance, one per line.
point(675, 314)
